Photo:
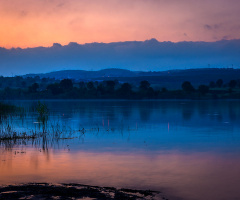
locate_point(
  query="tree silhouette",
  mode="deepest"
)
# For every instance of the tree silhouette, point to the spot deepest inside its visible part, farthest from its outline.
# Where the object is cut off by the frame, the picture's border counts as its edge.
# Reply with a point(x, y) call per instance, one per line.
point(110, 86)
point(66, 84)
point(90, 85)
point(187, 87)
point(203, 89)
point(55, 88)
point(145, 90)
point(144, 85)
point(232, 83)
point(219, 83)
point(125, 91)
point(33, 88)
point(212, 84)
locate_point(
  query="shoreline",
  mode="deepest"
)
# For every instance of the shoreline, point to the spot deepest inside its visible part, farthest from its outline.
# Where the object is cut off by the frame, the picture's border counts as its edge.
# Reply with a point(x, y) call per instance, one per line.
point(76, 191)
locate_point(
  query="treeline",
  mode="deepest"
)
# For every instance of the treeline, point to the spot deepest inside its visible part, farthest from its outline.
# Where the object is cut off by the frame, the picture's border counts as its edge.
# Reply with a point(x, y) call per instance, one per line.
point(23, 83)
point(36, 88)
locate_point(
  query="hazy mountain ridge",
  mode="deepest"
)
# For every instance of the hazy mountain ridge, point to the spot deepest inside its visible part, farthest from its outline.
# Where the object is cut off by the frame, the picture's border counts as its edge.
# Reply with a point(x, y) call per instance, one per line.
point(171, 79)
point(83, 74)
point(133, 55)
point(115, 72)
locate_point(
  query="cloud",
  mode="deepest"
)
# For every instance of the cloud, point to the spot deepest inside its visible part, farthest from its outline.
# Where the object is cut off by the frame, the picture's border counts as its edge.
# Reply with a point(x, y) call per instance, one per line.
point(23, 13)
point(213, 27)
point(60, 5)
point(208, 27)
point(134, 55)
point(226, 37)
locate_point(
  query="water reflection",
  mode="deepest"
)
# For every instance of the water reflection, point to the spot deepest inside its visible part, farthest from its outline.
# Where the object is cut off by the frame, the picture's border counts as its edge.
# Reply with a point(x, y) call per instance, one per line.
point(182, 147)
point(187, 175)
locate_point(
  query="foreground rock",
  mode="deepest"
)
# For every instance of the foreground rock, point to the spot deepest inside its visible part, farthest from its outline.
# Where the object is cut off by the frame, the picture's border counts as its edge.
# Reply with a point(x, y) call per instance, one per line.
point(74, 191)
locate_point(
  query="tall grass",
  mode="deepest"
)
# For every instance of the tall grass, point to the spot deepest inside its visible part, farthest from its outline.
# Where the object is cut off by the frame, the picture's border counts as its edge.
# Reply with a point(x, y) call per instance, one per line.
point(44, 134)
point(6, 108)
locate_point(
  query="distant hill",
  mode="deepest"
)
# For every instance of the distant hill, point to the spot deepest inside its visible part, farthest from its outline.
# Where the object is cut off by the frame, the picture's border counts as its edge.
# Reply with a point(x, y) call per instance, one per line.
point(84, 75)
point(171, 79)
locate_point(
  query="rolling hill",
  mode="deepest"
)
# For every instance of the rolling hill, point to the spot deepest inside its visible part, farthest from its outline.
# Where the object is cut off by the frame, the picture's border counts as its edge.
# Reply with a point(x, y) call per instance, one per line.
point(171, 79)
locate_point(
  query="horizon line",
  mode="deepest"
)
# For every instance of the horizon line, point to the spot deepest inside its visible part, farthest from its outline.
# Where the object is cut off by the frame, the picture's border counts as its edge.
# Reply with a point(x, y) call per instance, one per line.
point(63, 45)
point(206, 68)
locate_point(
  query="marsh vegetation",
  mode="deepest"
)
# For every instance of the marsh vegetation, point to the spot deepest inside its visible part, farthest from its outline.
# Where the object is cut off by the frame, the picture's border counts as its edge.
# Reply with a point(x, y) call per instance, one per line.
point(43, 133)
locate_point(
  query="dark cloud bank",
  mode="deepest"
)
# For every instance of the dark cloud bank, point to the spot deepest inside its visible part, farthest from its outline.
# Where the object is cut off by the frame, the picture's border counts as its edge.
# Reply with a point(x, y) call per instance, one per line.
point(145, 56)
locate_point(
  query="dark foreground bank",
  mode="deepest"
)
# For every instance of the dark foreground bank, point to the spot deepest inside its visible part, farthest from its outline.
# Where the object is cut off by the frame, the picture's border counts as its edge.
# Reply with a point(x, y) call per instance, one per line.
point(75, 191)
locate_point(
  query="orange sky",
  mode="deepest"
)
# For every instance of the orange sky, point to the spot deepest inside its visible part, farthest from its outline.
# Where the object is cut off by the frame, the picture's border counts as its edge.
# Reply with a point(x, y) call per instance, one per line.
point(30, 23)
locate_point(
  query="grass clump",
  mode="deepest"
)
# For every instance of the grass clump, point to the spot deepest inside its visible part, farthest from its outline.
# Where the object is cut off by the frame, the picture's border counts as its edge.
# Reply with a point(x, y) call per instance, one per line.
point(7, 109)
point(16, 136)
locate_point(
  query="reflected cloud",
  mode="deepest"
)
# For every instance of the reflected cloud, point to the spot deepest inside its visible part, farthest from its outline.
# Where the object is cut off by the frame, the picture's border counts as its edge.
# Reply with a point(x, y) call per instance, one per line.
point(188, 175)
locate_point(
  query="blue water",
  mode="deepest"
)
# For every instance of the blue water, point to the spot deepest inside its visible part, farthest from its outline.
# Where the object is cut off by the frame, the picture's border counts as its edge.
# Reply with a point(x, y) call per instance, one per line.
point(184, 148)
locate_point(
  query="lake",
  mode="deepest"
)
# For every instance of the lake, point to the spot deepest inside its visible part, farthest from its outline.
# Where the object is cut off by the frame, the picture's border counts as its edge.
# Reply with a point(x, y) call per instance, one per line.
point(187, 149)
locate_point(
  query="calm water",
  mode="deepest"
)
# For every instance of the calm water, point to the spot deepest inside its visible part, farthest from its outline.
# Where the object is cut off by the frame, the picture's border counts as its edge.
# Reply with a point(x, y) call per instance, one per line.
point(188, 149)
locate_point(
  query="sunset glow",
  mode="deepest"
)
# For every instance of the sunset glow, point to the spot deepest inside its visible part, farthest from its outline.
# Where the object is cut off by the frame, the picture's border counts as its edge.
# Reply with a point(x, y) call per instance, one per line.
point(30, 23)
point(125, 170)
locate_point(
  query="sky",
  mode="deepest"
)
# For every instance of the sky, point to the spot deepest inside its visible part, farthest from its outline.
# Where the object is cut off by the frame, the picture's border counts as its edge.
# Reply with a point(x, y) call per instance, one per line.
point(32, 23)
